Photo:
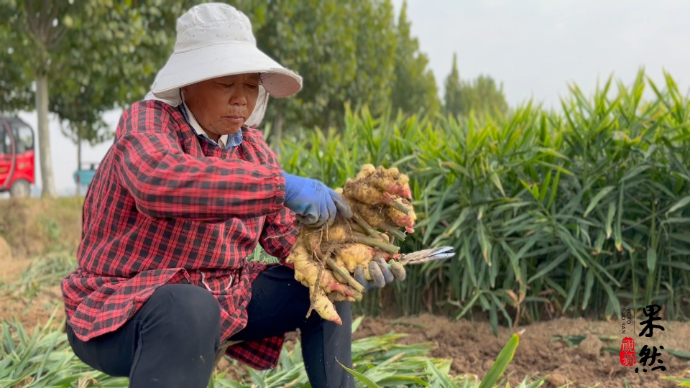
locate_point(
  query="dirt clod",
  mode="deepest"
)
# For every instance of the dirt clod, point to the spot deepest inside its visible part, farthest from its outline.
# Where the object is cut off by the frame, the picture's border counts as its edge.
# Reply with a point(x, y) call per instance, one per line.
point(557, 380)
point(591, 346)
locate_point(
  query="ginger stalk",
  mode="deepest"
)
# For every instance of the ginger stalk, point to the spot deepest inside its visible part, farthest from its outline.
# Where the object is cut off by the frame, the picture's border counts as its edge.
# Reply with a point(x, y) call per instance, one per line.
point(392, 249)
point(364, 225)
point(342, 272)
point(307, 273)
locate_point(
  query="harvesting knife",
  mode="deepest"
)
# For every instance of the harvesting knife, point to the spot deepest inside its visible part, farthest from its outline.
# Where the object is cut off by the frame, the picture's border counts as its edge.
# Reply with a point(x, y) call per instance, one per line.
point(426, 255)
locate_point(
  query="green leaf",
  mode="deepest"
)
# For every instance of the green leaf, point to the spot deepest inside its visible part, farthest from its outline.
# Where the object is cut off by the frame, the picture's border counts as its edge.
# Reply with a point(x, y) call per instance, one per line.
point(497, 182)
point(618, 227)
point(677, 353)
point(550, 266)
point(589, 283)
point(439, 377)
point(397, 381)
point(364, 379)
point(609, 219)
point(601, 194)
point(680, 204)
point(499, 366)
point(651, 259)
point(574, 285)
point(356, 323)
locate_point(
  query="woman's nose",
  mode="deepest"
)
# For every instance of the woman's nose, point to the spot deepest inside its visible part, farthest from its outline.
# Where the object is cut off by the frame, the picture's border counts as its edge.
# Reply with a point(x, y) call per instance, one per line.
point(239, 98)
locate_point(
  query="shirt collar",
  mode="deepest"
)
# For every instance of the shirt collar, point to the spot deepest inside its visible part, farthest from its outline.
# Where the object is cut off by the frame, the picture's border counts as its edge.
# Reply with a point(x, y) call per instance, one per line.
point(229, 141)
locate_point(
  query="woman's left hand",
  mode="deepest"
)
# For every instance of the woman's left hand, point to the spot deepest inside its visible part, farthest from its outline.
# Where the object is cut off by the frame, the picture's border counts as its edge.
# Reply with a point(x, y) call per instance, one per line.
point(381, 273)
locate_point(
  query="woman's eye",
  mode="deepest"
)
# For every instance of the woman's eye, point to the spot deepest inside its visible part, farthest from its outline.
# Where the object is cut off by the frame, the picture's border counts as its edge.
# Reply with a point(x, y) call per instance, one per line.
point(225, 85)
point(252, 86)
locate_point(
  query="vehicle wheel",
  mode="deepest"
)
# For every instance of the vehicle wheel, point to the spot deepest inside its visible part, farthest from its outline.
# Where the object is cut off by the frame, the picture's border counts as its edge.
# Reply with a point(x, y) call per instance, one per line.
point(20, 189)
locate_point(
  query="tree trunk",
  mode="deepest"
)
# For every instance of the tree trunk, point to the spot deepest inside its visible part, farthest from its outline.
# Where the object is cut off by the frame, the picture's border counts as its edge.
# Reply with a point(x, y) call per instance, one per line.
point(47, 178)
point(78, 163)
point(277, 133)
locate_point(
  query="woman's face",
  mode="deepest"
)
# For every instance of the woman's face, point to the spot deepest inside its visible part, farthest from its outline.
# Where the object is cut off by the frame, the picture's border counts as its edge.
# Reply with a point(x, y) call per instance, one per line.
point(222, 105)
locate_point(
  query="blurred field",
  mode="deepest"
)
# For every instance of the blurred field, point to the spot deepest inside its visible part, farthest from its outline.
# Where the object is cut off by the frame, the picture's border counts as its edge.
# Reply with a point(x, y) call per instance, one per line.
point(35, 226)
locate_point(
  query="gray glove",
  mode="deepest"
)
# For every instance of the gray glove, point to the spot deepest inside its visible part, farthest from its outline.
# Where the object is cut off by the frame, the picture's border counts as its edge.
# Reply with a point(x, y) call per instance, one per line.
point(381, 273)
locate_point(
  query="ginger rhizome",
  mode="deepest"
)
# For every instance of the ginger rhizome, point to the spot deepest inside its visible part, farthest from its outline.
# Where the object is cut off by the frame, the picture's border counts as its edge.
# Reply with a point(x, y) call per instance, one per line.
point(331, 259)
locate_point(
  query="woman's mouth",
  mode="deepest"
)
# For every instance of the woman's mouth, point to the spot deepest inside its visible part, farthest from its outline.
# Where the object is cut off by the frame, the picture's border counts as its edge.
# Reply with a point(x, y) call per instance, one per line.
point(235, 119)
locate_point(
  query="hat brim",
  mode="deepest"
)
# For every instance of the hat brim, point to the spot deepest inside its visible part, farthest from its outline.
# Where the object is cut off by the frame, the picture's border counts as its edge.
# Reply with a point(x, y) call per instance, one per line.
point(219, 60)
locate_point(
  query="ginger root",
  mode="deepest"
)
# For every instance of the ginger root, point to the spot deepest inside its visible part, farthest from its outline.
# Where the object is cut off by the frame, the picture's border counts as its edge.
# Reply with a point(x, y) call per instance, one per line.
point(332, 261)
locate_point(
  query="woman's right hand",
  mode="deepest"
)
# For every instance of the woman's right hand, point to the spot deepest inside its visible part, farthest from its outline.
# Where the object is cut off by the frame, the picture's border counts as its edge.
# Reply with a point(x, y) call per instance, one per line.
point(314, 203)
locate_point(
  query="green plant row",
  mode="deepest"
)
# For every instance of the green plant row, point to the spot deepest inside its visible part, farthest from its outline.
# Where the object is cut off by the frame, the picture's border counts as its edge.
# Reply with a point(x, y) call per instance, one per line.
point(44, 359)
point(581, 211)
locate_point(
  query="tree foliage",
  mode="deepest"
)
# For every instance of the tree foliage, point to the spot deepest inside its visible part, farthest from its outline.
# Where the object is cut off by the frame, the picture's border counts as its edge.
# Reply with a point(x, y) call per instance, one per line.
point(481, 95)
point(112, 62)
point(453, 92)
point(87, 56)
point(343, 49)
point(414, 87)
point(97, 55)
point(15, 81)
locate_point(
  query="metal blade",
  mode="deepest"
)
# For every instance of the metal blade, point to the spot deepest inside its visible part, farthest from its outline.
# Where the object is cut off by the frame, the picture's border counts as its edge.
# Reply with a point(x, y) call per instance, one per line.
point(427, 255)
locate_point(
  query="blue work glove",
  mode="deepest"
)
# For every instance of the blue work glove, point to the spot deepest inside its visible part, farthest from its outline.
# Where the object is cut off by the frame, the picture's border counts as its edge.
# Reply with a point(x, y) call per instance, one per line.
point(314, 202)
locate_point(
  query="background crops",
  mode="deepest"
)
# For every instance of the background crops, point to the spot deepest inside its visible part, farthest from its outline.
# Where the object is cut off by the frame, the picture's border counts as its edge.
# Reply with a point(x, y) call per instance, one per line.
point(576, 212)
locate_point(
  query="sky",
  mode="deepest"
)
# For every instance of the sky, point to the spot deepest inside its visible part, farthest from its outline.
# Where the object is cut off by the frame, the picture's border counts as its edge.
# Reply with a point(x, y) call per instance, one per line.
point(535, 48)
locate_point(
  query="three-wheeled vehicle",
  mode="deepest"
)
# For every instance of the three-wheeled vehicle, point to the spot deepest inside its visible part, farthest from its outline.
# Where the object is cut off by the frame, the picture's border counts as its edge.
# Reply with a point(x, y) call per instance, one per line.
point(17, 156)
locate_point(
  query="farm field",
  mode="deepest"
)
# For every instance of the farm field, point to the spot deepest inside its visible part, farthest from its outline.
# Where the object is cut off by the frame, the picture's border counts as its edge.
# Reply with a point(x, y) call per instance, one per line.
point(30, 293)
point(561, 187)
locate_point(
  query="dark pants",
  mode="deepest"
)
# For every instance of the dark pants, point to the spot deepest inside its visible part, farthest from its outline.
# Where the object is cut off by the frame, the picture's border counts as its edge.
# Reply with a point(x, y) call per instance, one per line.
point(171, 341)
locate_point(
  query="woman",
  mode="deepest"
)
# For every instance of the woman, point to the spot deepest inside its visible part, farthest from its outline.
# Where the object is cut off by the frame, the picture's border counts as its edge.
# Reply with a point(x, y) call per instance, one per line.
point(184, 195)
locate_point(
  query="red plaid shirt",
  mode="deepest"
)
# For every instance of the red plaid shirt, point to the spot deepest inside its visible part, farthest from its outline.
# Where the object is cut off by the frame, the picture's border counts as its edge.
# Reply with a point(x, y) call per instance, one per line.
point(167, 207)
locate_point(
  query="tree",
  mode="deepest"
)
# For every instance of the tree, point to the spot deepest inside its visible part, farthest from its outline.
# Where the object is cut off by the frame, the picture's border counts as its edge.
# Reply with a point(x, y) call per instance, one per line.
point(15, 82)
point(453, 93)
point(122, 73)
point(96, 55)
point(38, 35)
point(482, 96)
point(414, 87)
point(375, 39)
point(344, 49)
point(485, 96)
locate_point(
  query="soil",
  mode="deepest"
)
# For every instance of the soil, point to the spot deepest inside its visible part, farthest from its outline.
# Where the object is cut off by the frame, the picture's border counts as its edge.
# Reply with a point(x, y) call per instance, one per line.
point(473, 347)
point(29, 311)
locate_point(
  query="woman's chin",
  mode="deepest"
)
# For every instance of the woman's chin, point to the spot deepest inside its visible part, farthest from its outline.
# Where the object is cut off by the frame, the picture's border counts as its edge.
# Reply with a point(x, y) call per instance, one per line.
point(230, 130)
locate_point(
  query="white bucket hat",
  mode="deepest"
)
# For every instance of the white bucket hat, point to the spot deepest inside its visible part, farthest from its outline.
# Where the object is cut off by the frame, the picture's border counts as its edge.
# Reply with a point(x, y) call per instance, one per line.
point(216, 40)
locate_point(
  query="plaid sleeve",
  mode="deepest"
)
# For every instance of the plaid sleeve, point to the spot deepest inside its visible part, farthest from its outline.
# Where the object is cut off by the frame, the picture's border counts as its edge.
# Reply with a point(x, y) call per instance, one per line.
point(167, 183)
point(279, 234)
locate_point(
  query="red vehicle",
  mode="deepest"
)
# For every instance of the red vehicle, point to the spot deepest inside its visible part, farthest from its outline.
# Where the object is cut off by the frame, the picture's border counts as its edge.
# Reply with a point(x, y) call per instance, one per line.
point(17, 161)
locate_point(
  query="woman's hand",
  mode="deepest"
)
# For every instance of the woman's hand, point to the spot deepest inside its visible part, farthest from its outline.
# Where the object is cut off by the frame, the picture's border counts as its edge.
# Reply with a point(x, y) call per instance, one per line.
point(314, 203)
point(381, 273)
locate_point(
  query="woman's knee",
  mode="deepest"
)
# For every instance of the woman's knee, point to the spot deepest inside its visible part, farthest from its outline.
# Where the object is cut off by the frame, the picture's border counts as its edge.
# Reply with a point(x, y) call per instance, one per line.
point(186, 309)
